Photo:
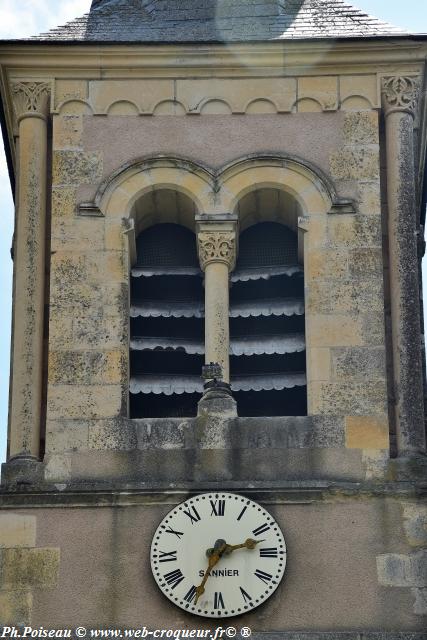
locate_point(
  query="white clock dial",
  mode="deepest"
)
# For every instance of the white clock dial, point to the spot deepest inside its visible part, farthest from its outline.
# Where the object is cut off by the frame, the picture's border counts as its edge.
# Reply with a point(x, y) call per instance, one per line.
point(206, 529)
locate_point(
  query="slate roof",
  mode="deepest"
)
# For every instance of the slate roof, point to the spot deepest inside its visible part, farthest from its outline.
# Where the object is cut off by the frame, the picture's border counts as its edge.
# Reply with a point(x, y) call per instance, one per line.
point(218, 21)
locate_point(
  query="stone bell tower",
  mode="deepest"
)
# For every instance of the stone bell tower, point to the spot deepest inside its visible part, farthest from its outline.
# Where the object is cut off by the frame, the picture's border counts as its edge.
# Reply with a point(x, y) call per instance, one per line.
point(220, 210)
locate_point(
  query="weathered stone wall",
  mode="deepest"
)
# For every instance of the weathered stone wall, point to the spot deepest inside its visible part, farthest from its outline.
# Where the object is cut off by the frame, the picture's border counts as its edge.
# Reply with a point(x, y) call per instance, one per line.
point(347, 569)
point(88, 353)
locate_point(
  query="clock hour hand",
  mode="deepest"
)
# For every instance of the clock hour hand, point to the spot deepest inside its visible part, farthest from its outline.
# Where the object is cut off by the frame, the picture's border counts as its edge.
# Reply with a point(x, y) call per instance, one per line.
point(214, 555)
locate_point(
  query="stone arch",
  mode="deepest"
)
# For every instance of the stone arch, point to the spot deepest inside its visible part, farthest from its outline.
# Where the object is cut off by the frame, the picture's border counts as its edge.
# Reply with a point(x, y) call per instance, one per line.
point(313, 191)
point(118, 193)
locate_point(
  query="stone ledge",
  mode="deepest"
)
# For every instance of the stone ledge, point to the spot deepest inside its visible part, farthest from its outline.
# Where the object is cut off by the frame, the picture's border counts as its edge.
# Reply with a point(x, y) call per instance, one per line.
point(104, 495)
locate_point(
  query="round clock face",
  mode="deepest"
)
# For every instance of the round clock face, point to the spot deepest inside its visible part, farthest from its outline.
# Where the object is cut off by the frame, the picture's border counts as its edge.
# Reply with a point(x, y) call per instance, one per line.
point(218, 555)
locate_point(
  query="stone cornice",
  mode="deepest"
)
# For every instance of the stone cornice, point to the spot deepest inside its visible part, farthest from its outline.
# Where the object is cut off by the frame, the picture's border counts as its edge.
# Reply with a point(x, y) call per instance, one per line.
point(400, 93)
point(90, 60)
point(31, 99)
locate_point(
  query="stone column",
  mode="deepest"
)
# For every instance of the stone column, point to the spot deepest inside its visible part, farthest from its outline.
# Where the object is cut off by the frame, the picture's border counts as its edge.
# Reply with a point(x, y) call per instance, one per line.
point(400, 98)
point(31, 101)
point(216, 241)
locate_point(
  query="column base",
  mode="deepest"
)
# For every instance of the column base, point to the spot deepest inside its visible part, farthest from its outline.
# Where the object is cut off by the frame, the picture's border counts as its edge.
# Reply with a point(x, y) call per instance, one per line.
point(22, 470)
point(217, 399)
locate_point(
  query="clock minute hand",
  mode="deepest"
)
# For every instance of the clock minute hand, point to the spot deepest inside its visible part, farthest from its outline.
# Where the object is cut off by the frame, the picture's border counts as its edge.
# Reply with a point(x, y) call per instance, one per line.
point(248, 544)
point(214, 558)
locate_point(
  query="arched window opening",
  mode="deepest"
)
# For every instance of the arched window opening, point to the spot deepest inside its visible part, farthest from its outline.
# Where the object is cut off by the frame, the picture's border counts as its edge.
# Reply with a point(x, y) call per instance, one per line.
point(166, 324)
point(267, 324)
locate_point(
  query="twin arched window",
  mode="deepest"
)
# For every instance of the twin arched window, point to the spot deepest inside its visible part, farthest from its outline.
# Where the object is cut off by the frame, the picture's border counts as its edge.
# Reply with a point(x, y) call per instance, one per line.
point(267, 343)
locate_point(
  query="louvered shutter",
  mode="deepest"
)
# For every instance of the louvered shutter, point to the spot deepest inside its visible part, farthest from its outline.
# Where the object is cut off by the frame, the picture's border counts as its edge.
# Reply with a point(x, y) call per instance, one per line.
point(267, 347)
point(166, 321)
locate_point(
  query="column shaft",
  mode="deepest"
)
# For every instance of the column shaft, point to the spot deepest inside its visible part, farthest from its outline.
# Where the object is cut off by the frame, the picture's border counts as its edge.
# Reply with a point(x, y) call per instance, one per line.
point(216, 241)
point(217, 332)
point(405, 311)
point(30, 240)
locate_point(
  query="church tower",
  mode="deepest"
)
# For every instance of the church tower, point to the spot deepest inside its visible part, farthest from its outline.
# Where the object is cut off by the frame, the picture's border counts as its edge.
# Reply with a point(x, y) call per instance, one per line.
point(217, 412)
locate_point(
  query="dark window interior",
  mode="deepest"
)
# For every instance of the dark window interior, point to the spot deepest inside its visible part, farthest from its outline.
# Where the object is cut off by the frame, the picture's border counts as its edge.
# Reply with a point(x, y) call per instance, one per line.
point(266, 324)
point(267, 295)
point(167, 326)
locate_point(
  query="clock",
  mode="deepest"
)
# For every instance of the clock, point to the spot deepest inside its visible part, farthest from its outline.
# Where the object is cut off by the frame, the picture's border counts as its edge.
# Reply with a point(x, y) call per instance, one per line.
point(218, 555)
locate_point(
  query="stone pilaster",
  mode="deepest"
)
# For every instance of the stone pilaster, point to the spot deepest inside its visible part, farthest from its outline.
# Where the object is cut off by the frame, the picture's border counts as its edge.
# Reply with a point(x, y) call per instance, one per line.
point(400, 99)
point(31, 102)
point(217, 242)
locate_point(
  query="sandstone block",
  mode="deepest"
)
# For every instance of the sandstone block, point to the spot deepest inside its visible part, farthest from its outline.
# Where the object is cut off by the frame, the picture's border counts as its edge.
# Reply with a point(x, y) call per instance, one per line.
point(358, 363)
point(66, 435)
point(16, 607)
point(70, 90)
point(354, 232)
point(114, 434)
point(369, 197)
point(84, 401)
point(60, 328)
point(318, 364)
point(415, 524)
point(26, 568)
point(76, 167)
point(399, 570)
point(58, 467)
point(355, 164)
point(109, 332)
point(366, 432)
point(80, 234)
point(67, 131)
point(361, 127)
point(63, 204)
point(351, 297)
point(324, 89)
point(362, 86)
point(324, 263)
point(365, 262)
point(17, 530)
point(334, 331)
point(87, 367)
point(345, 399)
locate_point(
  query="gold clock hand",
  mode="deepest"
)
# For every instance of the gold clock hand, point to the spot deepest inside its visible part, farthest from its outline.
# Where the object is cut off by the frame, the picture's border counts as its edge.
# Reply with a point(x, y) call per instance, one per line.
point(248, 544)
point(214, 558)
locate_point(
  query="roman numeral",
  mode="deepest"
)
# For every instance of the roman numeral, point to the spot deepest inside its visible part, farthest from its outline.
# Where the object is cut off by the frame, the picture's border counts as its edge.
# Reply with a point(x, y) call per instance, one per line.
point(261, 529)
point(218, 507)
point(178, 534)
point(218, 601)
point(167, 556)
point(242, 512)
point(189, 597)
point(192, 514)
point(262, 575)
point(246, 596)
point(269, 552)
point(173, 578)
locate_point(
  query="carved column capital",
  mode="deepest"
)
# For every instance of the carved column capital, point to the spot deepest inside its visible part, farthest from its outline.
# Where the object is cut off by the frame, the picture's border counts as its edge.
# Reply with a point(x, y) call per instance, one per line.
point(31, 99)
point(400, 93)
point(217, 246)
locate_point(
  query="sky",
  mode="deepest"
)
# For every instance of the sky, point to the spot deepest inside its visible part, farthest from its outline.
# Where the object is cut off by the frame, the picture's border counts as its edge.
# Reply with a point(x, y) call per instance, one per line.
point(22, 18)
